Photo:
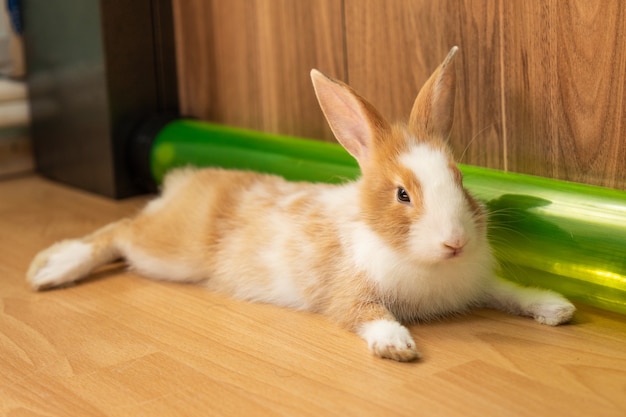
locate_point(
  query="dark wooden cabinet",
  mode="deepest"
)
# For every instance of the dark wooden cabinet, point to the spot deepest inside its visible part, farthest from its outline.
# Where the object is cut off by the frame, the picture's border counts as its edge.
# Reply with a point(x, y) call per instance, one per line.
point(96, 69)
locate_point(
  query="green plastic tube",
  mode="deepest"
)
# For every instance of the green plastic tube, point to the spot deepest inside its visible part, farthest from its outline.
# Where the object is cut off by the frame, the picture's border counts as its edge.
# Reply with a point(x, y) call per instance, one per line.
point(547, 233)
point(188, 142)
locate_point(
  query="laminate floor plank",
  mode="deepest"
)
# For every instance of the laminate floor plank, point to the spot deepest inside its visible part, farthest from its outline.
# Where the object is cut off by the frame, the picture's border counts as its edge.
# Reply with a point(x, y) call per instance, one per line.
point(120, 345)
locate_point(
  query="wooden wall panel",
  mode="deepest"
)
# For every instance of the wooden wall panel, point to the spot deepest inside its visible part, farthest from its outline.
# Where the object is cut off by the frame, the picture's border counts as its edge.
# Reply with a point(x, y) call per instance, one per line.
point(541, 84)
point(246, 63)
point(565, 69)
point(393, 47)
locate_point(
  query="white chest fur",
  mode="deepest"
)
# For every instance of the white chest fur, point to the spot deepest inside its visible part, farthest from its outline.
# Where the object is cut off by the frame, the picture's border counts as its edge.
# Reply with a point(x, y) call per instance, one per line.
point(415, 291)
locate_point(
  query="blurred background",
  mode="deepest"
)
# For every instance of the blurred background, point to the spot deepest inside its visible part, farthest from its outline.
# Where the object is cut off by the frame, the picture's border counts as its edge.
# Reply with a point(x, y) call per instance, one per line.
point(15, 145)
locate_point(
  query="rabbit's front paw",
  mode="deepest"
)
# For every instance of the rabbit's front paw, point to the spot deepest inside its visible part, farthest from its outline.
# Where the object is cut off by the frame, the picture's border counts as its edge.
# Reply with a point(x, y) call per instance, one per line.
point(553, 312)
point(389, 339)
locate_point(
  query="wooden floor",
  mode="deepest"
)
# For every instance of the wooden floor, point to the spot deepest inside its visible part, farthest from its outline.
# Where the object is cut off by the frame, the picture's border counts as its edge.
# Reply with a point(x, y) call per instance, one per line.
point(120, 345)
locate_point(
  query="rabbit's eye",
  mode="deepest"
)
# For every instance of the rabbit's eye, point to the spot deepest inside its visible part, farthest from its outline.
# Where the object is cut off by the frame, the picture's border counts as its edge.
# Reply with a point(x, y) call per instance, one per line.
point(402, 195)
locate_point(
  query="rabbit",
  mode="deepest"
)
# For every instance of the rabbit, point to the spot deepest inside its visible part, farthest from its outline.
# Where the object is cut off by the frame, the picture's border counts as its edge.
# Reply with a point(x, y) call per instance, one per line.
point(404, 243)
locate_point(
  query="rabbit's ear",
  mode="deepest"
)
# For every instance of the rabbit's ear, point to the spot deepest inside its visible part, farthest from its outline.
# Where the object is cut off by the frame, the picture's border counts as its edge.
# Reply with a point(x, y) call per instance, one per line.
point(355, 122)
point(433, 109)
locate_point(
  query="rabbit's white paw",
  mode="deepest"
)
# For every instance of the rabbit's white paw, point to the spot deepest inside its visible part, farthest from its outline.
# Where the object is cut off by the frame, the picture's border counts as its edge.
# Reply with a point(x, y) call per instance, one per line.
point(61, 263)
point(553, 312)
point(389, 339)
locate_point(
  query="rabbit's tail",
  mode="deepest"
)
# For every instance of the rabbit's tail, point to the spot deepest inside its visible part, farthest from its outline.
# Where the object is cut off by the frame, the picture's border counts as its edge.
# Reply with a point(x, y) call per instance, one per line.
point(70, 260)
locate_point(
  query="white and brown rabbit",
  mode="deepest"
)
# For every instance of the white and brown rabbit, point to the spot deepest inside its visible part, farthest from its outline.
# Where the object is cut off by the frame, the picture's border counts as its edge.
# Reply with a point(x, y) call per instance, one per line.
point(405, 242)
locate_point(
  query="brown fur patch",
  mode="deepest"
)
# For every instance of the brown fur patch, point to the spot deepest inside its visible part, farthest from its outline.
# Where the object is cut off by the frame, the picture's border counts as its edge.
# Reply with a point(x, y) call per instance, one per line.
point(190, 226)
point(479, 213)
point(354, 302)
point(381, 210)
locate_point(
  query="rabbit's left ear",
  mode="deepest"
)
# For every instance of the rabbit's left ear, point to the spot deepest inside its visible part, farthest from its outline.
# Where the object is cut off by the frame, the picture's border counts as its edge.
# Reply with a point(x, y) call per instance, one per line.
point(355, 122)
point(433, 109)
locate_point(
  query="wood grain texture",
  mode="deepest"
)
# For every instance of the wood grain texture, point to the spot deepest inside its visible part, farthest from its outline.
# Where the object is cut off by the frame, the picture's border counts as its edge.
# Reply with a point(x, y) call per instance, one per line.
point(541, 85)
point(246, 63)
point(120, 345)
point(564, 68)
point(393, 47)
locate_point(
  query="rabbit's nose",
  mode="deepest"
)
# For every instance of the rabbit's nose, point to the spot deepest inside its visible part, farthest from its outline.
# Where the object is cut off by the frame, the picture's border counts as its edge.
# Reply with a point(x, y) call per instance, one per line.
point(454, 247)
